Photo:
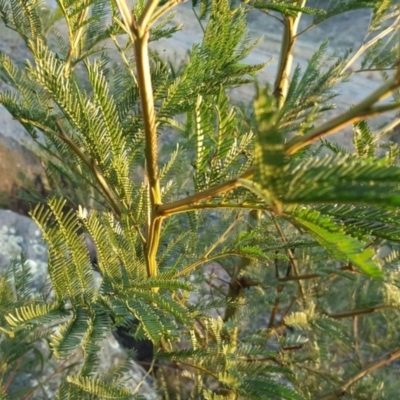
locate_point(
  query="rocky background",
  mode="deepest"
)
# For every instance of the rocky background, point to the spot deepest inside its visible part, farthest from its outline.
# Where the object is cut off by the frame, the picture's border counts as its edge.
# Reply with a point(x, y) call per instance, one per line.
point(19, 233)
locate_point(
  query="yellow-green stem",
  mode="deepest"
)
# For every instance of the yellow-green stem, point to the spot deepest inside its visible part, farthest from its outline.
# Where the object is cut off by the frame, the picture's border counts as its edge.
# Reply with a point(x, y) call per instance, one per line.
point(74, 42)
point(182, 205)
point(281, 86)
point(139, 32)
point(148, 115)
point(151, 150)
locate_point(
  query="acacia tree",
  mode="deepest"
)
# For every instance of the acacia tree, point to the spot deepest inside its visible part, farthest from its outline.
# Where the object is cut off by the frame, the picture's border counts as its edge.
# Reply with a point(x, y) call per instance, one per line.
point(298, 224)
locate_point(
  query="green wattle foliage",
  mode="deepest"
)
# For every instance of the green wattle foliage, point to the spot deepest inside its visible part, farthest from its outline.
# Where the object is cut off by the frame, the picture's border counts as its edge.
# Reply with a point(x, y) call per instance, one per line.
point(332, 236)
point(183, 221)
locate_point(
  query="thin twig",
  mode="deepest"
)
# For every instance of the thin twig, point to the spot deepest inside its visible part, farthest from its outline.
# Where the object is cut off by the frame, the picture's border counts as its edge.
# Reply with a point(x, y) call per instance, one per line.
point(199, 21)
point(367, 45)
point(262, 359)
point(221, 205)
point(164, 9)
point(12, 375)
point(197, 263)
point(145, 376)
point(389, 128)
point(288, 308)
point(315, 275)
point(275, 307)
point(51, 376)
point(362, 311)
point(272, 16)
point(217, 190)
point(361, 110)
point(290, 254)
point(222, 238)
point(236, 290)
point(373, 69)
point(356, 339)
point(367, 370)
point(127, 17)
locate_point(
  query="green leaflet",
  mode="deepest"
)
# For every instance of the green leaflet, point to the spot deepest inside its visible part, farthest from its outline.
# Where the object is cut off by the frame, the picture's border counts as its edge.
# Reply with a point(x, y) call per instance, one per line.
point(221, 148)
point(365, 221)
point(71, 333)
point(219, 58)
point(259, 388)
point(333, 238)
point(330, 179)
point(289, 10)
point(35, 314)
point(100, 389)
point(87, 327)
point(3, 394)
point(311, 92)
point(66, 247)
point(340, 179)
point(336, 7)
point(364, 140)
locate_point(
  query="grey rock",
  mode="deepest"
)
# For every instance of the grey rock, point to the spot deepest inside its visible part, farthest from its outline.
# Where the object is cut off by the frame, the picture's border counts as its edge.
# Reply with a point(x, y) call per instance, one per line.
point(20, 234)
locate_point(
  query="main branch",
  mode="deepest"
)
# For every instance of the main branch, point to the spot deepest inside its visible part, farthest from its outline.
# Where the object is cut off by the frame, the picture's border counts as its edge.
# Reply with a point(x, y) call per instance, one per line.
point(282, 79)
point(151, 151)
point(140, 31)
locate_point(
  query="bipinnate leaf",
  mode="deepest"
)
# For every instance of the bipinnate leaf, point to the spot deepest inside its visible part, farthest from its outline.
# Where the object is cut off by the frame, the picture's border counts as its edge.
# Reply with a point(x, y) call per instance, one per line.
point(333, 238)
